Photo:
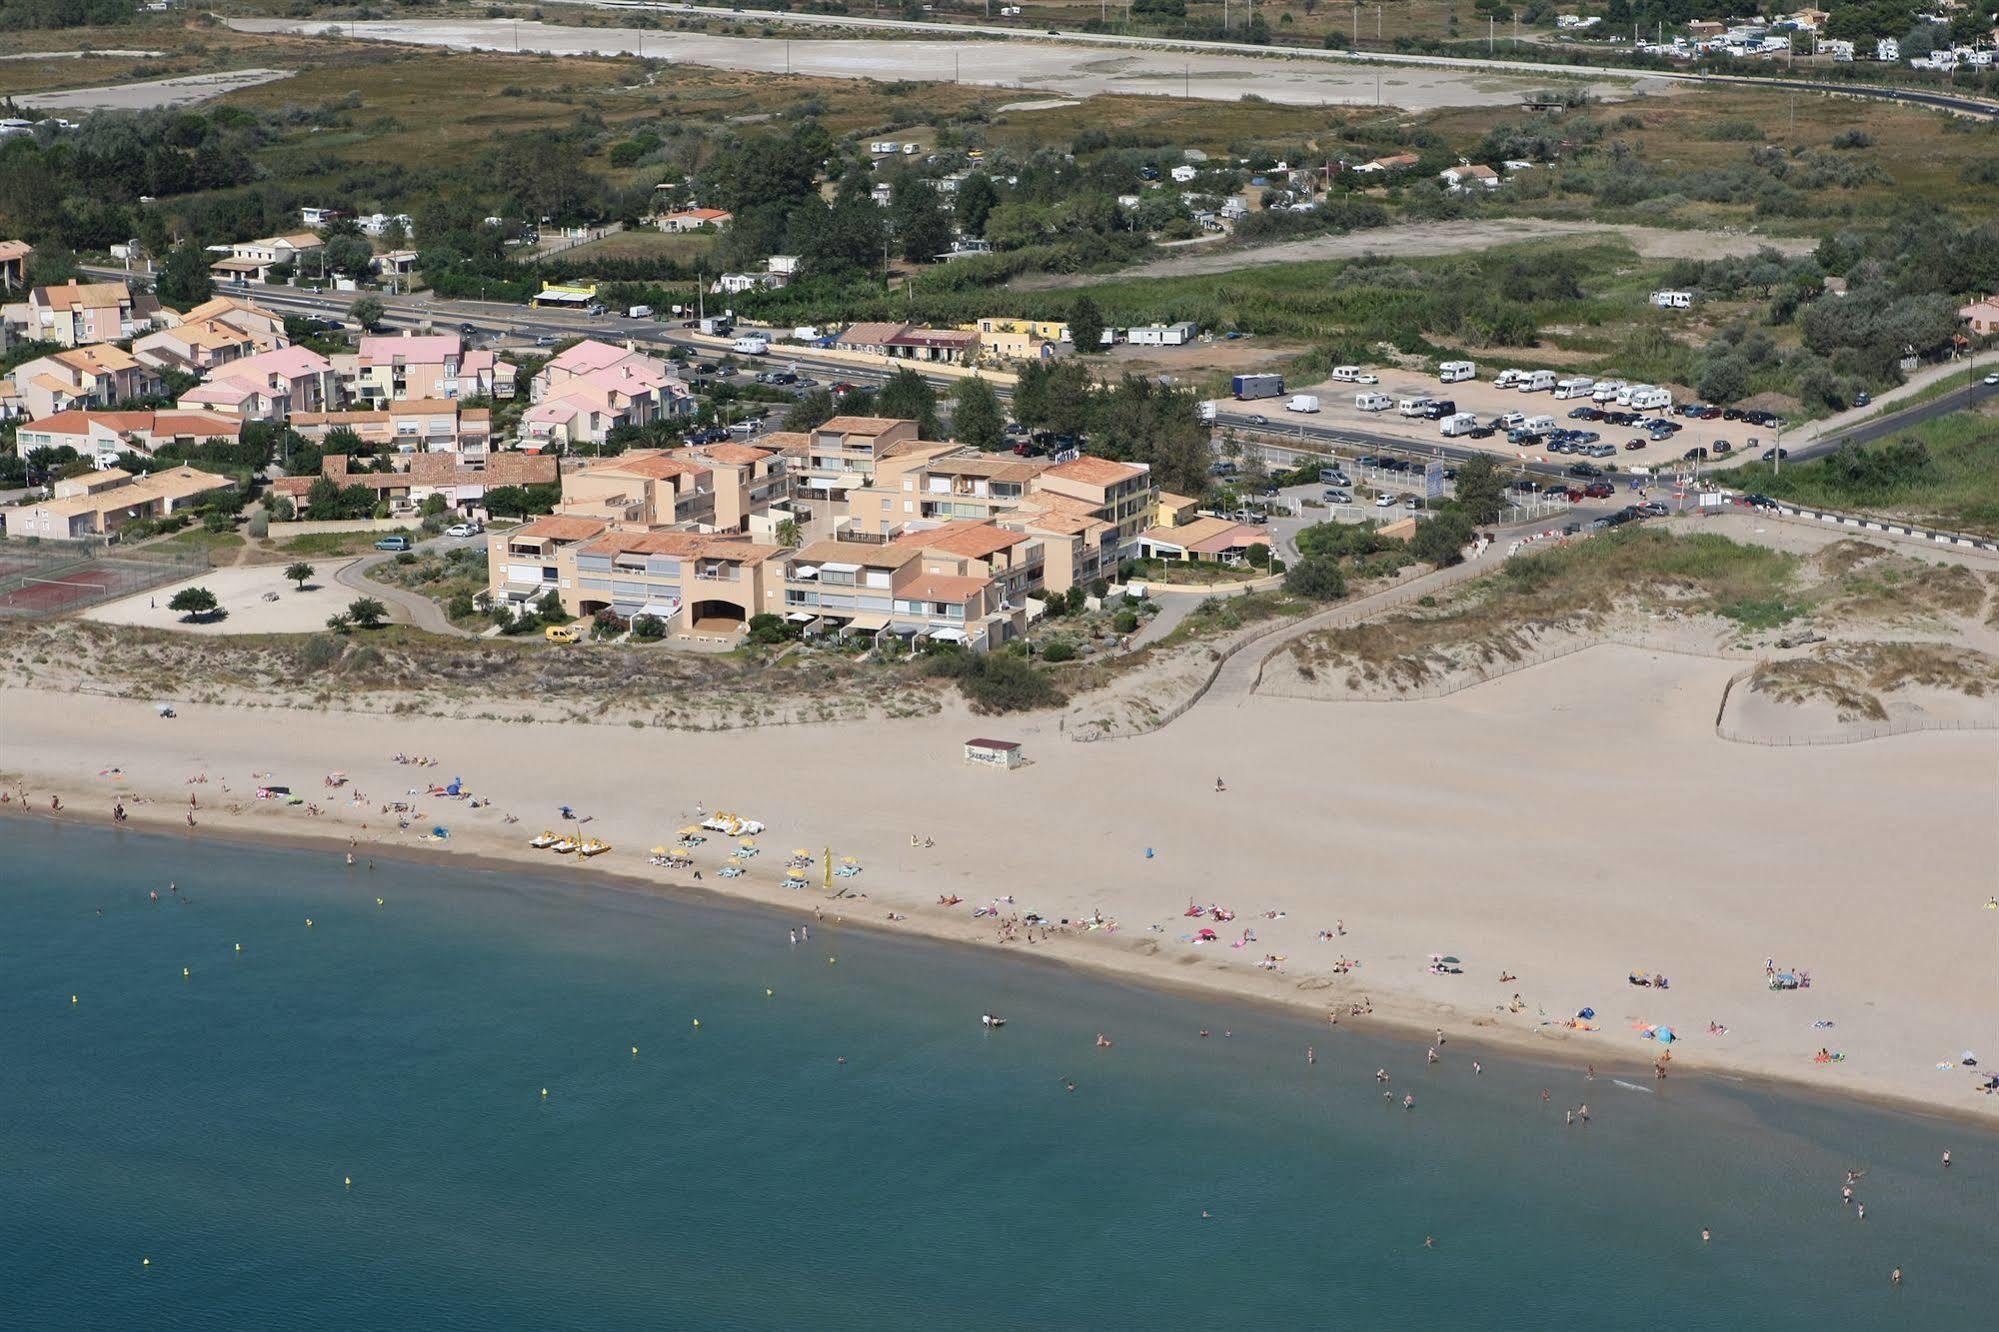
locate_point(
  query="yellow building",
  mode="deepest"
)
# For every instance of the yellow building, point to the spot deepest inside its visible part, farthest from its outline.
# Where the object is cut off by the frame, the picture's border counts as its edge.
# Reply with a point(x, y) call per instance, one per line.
point(1021, 339)
point(1176, 509)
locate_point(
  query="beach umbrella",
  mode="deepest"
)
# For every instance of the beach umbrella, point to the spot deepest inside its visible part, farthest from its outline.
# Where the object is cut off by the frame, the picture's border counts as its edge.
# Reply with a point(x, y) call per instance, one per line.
point(659, 850)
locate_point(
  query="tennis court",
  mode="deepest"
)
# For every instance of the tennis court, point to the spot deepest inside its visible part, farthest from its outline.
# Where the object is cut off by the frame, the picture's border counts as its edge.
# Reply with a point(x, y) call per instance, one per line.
point(45, 578)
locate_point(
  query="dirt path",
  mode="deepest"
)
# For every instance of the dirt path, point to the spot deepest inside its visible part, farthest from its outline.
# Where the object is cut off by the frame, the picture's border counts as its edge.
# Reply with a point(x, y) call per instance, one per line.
point(1431, 238)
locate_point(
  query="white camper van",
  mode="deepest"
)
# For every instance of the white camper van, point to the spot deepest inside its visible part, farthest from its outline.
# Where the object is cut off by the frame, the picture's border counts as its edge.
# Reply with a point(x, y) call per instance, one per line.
point(1580, 386)
point(1373, 402)
point(1452, 372)
point(1462, 423)
point(1541, 381)
point(1412, 407)
point(1346, 374)
point(1607, 389)
point(1509, 379)
point(1540, 425)
point(1648, 399)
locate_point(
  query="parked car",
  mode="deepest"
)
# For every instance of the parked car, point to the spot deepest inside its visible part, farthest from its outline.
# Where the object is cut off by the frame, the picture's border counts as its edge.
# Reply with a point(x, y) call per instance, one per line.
point(1384, 501)
point(1721, 448)
point(1694, 454)
point(1585, 470)
point(464, 530)
point(1337, 497)
point(1599, 490)
point(562, 633)
point(1862, 398)
point(1654, 508)
point(1775, 454)
point(393, 543)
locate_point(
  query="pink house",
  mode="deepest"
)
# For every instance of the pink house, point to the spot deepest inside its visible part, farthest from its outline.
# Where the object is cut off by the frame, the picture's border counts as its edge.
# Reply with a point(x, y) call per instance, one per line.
point(93, 376)
point(594, 387)
point(269, 386)
point(430, 367)
point(77, 314)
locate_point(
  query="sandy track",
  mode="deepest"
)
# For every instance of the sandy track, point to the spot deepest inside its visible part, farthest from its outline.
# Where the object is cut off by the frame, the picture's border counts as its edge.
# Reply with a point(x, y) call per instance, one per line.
point(1432, 238)
point(151, 94)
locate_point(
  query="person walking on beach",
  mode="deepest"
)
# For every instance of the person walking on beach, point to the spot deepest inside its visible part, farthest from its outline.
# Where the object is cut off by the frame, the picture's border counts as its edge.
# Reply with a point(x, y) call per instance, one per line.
point(1946, 1158)
point(1860, 1211)
point(1704, 1235)
point(1895, 1277)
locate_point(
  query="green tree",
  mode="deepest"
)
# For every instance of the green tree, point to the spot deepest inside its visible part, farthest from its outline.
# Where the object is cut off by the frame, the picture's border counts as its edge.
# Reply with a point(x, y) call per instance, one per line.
point(1481, 492)
point(367, 311)
point(1723, 379)
point(907, 396)
point(349, 254)
point(976, 416)
point(1441, 538)
point(789, 533)
point(193, 603)
point(366, 612)
point(1316, 578)
point(975, 201)
point(1086, 326)
point(916, 215)
point(811, 411)
point(183, 281)
point(298, 572)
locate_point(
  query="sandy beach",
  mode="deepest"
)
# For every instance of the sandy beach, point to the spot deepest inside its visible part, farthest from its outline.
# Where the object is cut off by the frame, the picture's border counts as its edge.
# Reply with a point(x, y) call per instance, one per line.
point(1568, 826)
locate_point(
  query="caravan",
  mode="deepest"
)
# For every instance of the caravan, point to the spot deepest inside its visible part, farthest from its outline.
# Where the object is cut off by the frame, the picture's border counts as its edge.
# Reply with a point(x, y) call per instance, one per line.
point(1462, 423)
point(1373, 402)
point(1581, 386)
point(1413, 407)
point(1509, 379)
point(1540, 381)
point(1452, 372)
point(1607, 390)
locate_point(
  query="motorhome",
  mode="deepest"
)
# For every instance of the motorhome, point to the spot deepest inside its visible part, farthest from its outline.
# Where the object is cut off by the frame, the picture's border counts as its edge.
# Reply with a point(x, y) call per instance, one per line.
point(1412, 407)
point(1462, 423)
point(1346, 374)
point(1673, 300)
point(1581, 386)
point(1540, 425)
point(1607, 389)
point(752, 344)
point(1453, 371)
point(1509, 379)
point(1649, 399)
point(1373, 402)
point(1541, 381)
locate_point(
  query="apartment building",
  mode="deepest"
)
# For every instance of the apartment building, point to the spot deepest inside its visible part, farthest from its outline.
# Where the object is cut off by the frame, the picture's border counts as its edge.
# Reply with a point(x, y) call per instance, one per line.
point(462, 482)
point(410, 367)
point(76, 314)
point(940, 484)
point(102, 502)
point(102, 436)
point(425, 425)
point(253, 260)
point(269, 386)
point(592, 388)
point(895, 589)
point(645, 488)
point(697, 583)
point(96, 375)
point(1120, 493)
point(843, 454)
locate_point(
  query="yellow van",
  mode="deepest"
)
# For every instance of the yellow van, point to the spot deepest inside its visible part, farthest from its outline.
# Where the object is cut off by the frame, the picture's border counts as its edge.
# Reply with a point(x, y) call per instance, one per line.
point(562, 633)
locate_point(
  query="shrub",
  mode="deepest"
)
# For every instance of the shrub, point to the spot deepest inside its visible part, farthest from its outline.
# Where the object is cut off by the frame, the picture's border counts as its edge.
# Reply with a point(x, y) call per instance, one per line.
point(319, 652)
point(1317, 578)
point(995, 683)
point(1125, 622)
point(648, 628)
point(1060, 650)
point(1853, 138)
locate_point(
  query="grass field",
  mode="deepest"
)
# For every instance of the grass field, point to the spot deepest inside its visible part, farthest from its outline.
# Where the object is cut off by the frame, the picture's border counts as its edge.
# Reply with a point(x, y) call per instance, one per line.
point(1953, 482)
point(642, 244)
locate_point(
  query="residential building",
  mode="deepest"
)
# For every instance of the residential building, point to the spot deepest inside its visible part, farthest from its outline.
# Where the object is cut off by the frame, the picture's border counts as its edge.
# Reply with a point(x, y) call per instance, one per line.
point(407, 367)
point(592, 388)
point(1469, 176)
point(102, 436)
point(1022, 339)
point(214, 333)
point(420, 425)
point(14, 264)
point(935, 483)
point(1202, 539)
point(1163, 335)
point(317, 218)
point(693, 219)
point(934, 344)
point(97, 375)
point(269, 386)
point(870, 337)
point(102, 502)
point(843, 453)
point(697, 583)
point(1119, 493)
point(76, 314)
point(1171, 510)
point(858, 587)
point(378, 224)
point(253, 260)
point(462, 481)
point(1982, 315)
point(1392, 162)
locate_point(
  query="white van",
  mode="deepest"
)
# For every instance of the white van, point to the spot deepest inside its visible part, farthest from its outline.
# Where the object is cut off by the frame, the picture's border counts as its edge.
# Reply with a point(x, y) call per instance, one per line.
point(752, 344)
point(1463, 423)
point(1606, 390)
point(1541, 381)
point(1346, 374)
point(1373, 402)
point(1509, 378)
point(1540, 425)
point(639, 312)
point(1412, 406)
point(1302, 402)
point(1453, 371)
point(1579, 387)
point(1649, 399)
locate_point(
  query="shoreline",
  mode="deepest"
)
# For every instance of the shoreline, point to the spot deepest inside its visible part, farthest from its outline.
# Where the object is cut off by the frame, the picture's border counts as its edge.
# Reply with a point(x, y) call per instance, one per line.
point(1066, 952)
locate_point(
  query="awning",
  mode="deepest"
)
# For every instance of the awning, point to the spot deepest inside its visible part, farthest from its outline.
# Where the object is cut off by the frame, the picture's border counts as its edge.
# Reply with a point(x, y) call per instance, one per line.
point(806, 571)
point(948, 635)
point(801, 617)
point(661, 610)
point(866, 621)
point(847, 482)
point(832, 567)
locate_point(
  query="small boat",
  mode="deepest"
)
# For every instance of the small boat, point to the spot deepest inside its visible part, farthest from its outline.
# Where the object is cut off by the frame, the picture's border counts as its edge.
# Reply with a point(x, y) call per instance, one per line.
point(544, 841)
point(593, 847)
point(988, 1019)
point(563, 845)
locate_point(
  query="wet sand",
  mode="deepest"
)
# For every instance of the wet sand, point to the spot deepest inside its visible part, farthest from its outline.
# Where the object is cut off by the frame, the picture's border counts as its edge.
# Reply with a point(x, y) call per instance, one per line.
point(1064, 69)
point(1568, 825)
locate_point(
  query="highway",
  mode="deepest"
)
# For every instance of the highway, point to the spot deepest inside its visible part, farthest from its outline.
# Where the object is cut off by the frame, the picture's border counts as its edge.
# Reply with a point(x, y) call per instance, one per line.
point(1299, 433)
point(1941, 101)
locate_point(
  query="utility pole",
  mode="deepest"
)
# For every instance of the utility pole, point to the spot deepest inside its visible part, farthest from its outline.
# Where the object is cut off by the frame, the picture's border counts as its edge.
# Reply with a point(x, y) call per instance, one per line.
point(1356, 27)
point(1491, 28)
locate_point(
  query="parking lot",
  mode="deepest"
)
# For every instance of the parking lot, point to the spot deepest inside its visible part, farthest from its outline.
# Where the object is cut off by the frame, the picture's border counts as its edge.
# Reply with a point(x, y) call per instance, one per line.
point(1482, 398)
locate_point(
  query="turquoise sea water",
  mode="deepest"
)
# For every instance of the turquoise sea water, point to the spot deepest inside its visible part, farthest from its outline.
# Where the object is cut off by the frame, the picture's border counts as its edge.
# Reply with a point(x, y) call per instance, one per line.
point(738, 1176)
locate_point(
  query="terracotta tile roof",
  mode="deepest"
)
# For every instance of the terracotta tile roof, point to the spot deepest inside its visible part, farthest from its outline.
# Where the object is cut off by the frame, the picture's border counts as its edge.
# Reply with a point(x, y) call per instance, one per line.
point(1095, 471)
point(859, 425)
point(87, 295)
point(870, 335)
point(942, 587)
point(856, 552)
point(735, 454)
point(788, 442)
point(556, 528)
point(11, 250)
point(970, 539)
point(686, 545)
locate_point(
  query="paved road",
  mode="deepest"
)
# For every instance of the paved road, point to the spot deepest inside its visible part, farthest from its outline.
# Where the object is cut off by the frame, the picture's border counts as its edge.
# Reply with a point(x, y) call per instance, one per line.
point(406, 606)
point(1946, 101)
